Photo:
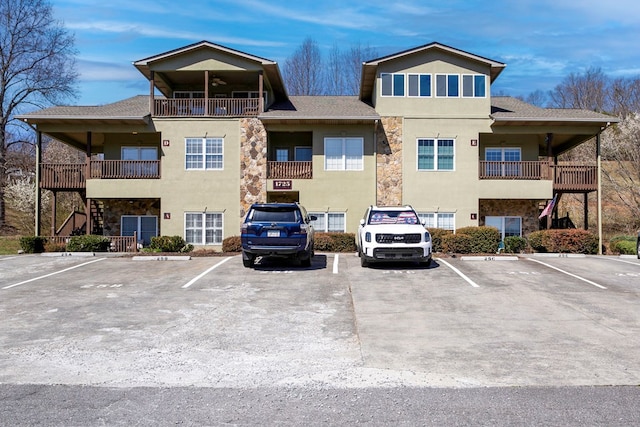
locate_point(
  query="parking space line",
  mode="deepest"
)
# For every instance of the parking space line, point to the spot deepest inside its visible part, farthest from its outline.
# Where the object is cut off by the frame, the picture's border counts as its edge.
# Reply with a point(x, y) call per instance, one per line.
point(8, 258)
point(201, 275)
point(335, 264)
point(459, 273)
point(626, 262)
point(52, 274)
point(567, 273)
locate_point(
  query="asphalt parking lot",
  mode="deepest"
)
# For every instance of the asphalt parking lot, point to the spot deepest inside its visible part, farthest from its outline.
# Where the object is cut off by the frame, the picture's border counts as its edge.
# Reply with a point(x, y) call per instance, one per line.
point(209, 322)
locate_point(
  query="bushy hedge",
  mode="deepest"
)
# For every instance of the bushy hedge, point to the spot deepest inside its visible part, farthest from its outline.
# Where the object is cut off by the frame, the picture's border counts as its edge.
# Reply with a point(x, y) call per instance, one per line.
point(334, 242)
point(472, 240)
point(564, 241)
point(33, 244)
point(623, 245)
point(88, 243)
point(170, 244)
point(515, 244)
point(437, 234)
point(232, 244)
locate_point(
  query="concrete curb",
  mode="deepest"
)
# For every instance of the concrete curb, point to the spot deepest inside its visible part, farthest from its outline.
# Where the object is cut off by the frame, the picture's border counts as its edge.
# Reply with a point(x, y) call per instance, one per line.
point(162, 258)
point(557, 255)
point(489, 258)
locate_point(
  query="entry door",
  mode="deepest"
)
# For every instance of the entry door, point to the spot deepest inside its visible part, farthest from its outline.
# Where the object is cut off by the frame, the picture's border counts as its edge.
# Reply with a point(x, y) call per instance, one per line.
point(146, 226)
point(283, 196)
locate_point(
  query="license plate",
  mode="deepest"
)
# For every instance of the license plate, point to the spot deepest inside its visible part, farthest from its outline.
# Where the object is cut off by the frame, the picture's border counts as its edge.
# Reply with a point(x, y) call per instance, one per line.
point(273, 233)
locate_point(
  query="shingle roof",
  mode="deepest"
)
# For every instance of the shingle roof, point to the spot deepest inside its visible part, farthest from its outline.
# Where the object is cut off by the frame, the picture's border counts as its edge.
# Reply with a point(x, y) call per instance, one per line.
point(321, 108)
point(506, 108)
point(130, 108)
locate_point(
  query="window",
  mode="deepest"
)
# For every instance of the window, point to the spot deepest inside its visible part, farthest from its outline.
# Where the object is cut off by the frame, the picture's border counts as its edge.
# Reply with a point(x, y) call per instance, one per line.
point(282, 155)
point(435, 154)
point(303, 154)
point(329, 221)
point(504, 161)
point(444, 220)
point(420, 85)
point(204, 153)
point(146, 227)
point(507, 225)
point(203, 228)
point(474, 86)
point(392, 84)
point(343, 154)
point(448, 85)
point(137, 168)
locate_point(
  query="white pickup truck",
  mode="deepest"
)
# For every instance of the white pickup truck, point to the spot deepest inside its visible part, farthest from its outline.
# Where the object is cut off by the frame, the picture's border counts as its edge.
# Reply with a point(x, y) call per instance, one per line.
point(393, 233)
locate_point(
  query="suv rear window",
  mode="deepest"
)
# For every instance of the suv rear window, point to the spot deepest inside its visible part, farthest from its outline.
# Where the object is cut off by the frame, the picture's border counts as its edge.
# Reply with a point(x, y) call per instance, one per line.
point(393, 217)
point(274, 215)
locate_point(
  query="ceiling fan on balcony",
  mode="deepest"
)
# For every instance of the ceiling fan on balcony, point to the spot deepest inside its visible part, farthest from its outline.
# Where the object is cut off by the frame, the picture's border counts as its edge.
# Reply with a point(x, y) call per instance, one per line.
point(216, 81)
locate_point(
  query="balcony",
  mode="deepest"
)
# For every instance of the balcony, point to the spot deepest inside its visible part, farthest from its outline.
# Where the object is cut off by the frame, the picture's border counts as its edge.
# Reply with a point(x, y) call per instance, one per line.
point(212, 107)
point(289, 170)
point(567, 177)
point(73, 176)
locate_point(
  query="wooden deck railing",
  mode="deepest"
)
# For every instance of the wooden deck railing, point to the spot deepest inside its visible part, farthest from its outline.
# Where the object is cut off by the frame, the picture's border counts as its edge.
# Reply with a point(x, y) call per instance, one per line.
point(125, 169)
point(289, 170)
point(565, 176)
point(118, 243)
point(69, 176)
point(212, 107)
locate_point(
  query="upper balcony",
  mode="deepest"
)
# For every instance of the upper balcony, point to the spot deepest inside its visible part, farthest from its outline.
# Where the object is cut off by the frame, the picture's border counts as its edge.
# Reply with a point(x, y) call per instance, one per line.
point(212, 107)
point(566, 177)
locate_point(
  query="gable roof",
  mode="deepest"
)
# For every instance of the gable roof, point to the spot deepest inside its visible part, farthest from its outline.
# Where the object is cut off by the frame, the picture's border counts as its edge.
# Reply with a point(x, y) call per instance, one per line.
point(270, 68)
point(369, 68)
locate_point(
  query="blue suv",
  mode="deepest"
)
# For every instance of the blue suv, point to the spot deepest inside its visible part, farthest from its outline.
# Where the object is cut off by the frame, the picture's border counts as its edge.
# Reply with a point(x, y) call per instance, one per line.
point(277, 230)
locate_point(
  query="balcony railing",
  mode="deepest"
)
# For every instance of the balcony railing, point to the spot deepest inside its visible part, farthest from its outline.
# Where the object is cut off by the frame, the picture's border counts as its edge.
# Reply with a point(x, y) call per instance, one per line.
point(289, 170)
point(73, 176)
point(124, 169)
point(68, 176)
point(213, 107)
point(566, 177)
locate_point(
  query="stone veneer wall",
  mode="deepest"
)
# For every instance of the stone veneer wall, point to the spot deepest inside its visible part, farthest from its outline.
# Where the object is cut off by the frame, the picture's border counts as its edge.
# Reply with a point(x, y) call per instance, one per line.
point(115, 208)
point(389, 161)
point(527, 209)
point(253, 164)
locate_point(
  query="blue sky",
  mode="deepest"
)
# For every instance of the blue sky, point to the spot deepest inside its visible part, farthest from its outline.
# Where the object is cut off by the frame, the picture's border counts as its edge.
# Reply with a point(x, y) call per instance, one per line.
point(541, 41)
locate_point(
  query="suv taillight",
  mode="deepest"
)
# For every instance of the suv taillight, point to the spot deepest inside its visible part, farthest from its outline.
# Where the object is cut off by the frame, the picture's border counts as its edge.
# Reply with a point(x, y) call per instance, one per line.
point(244, 228)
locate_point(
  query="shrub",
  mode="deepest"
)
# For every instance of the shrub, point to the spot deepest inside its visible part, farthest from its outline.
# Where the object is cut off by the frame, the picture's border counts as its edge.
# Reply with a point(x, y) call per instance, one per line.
point(334, 242)
point(624, 245)
point(483, 239)
point(232, 244)
point(322, 242)
point(55, 247)
point(88, 243)
point(564, 241)
point(514, 244)
point(457, 243)
point(32, 244)
point(437, 234)
point(170, 244)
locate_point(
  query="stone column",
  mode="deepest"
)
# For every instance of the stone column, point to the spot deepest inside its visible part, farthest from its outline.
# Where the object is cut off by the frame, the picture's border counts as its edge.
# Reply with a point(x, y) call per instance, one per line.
point(389, 161)
point(253, 163)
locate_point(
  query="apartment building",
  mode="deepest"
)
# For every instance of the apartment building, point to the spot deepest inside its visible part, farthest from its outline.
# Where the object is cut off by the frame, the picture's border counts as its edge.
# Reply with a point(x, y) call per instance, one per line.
point(218, 131)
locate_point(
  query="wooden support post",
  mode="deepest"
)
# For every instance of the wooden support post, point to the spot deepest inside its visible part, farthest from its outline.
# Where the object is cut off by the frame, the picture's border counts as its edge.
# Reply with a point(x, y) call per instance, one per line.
point(38, 207)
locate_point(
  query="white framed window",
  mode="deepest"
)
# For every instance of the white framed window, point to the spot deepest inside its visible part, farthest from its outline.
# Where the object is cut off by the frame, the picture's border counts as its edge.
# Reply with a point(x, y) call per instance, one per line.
point(506, 225)
point(329, 221)
point(204, 153)
point(444, 220)
point(436, 154)
point(282, 154)
point(474, 85)
point(419, 85)
point(342, 154)
point(448, 85)
point(203, 228)
point(392, 84)
point(503, 161)
point(138, 168)
point(146, 227)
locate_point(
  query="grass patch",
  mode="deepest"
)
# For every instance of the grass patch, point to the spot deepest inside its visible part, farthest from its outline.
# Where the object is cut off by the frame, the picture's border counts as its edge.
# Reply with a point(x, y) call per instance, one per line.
point(9, 245)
